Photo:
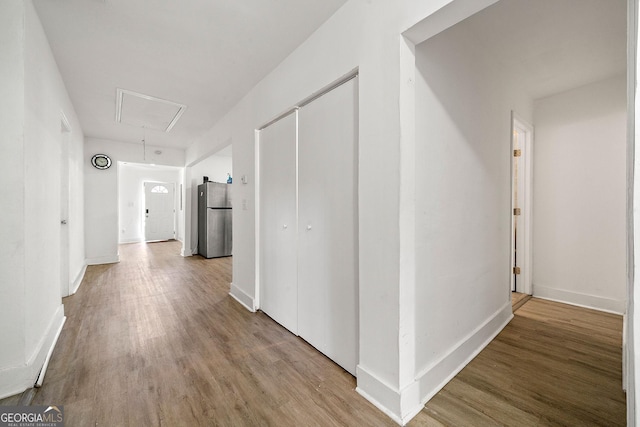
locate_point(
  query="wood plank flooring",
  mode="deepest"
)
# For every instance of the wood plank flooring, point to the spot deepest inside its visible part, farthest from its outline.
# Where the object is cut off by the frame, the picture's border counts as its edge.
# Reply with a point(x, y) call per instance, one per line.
point(553, 365)
point(156, 341)
point(518, 300)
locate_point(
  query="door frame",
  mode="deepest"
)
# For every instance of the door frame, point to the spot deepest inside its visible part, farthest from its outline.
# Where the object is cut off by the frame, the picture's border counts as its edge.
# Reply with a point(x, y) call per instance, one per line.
point(65, 208)
point(144, 207)
point(526, 212)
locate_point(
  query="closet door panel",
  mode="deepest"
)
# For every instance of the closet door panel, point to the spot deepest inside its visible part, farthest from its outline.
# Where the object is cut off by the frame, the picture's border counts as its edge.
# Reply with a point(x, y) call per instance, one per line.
point(278, 222)
point(327, 203)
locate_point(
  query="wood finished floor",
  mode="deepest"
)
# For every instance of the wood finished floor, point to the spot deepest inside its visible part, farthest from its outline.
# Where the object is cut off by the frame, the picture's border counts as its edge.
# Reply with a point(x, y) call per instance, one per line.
point(155, 340)
point(553, 365)
point(518, 300)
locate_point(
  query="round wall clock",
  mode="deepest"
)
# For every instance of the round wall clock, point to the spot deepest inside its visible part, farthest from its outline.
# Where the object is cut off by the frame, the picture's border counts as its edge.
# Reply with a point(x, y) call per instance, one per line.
point(101, 161)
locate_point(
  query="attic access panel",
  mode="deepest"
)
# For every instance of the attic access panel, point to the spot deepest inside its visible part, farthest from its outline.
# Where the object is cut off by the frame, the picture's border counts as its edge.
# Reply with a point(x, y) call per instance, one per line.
point(145, 111)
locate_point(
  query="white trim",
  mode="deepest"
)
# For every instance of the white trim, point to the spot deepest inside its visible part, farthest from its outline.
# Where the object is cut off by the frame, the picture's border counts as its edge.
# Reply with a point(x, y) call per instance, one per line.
point(407, 217)
point(242, 297)
point(144, 223)
point(630, 345)
point(257, 211)
point(317, 94)
point(109, 259)
point(445, 17)
point(130, 240)
point(43, 371)
point(377, 391)
point(433, 378)
point(527, 212)
point(185, 252)
point(120, 96)
point(403, 405)
point(16, 379)
point(78, 280)
point(593, 302)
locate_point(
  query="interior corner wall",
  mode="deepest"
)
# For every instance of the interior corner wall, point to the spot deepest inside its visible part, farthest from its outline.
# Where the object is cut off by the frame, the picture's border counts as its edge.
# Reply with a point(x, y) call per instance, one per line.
point(131, 197)
point(463, 183)
point(216, 169)
point(36, 99)
point(101, 192)
point(579, 196)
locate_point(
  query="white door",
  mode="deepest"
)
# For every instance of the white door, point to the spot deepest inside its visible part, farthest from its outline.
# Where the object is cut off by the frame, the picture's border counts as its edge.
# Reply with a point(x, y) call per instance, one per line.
point(328, 252)
point(159, 200)
point(521, 205)
point(65, 281)
point(278, 222)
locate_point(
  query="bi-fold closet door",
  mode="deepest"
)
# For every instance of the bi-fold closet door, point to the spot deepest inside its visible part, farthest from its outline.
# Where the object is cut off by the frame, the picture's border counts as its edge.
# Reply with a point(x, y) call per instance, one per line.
point(308, 223)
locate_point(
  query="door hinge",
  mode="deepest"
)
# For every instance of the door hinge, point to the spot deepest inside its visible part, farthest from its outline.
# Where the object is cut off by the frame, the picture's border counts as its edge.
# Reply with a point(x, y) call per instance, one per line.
point(516, 270)
point(517, 153)
point(516, 211)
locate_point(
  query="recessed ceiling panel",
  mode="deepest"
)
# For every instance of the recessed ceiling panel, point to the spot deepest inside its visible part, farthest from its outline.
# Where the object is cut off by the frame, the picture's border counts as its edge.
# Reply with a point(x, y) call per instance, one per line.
point(147, 111)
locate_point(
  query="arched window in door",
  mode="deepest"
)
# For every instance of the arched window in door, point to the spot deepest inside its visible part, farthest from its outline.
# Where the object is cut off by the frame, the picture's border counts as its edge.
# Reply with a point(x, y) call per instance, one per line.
point(159, 189)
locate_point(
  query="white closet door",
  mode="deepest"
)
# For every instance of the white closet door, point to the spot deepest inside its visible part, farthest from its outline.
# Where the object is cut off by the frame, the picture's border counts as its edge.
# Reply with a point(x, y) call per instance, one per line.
point(328, 257)
point(278, 222)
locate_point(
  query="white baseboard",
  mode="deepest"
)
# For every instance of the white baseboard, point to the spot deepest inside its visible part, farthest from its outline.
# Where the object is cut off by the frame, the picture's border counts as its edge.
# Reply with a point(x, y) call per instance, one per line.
point(16, 379)
point(242, 297)
point(127, 241)
point(434, 377)
point(78, 280)
point(111, 259)
point(402, 405)
point(382, 395)
point(581, 300)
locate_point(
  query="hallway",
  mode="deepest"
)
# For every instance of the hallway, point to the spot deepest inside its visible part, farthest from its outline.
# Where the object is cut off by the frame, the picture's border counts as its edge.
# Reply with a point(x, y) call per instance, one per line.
point(156, 340)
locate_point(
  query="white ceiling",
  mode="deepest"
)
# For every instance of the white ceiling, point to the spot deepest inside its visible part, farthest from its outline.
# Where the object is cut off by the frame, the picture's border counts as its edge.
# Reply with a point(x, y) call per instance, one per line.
point(552, 45)
point(206, 54)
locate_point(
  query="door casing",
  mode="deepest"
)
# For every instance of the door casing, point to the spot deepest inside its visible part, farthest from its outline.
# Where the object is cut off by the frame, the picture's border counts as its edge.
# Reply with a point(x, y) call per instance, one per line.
point(524, 132)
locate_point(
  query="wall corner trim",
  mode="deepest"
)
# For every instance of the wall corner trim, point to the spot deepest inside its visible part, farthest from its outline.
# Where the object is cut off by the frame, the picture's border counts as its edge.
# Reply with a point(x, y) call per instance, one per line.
point(593, 302)
point(16, 379)
point(434, 377)
point(241, 296)
point(78, 280)
point(402, 405)
point(111, 259)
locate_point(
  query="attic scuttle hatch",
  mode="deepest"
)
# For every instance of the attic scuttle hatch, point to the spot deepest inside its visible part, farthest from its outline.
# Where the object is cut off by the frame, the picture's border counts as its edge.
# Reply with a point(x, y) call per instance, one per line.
point(146, 111)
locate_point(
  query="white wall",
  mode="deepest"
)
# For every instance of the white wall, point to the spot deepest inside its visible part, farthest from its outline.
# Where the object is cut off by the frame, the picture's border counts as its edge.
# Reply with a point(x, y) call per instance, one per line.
point(132, 177)
point(216, 168)
point(32, 312)
point(101, 192)
point(362, 35)
point(463, 197)
point(12, 248)
point(579, 196)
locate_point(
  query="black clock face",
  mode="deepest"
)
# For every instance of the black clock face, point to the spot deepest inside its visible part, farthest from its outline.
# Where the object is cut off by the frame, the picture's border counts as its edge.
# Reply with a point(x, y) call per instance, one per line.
point(101, 161)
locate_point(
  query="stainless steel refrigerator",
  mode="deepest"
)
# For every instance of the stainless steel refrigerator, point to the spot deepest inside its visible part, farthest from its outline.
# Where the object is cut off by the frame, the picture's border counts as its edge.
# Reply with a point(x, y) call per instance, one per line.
point(214, 220)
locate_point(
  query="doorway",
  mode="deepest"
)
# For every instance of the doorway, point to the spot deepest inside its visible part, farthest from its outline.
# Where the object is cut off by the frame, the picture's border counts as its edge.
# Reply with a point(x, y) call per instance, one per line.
point(65, 131)
point(521, 173)
point(159, 221)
